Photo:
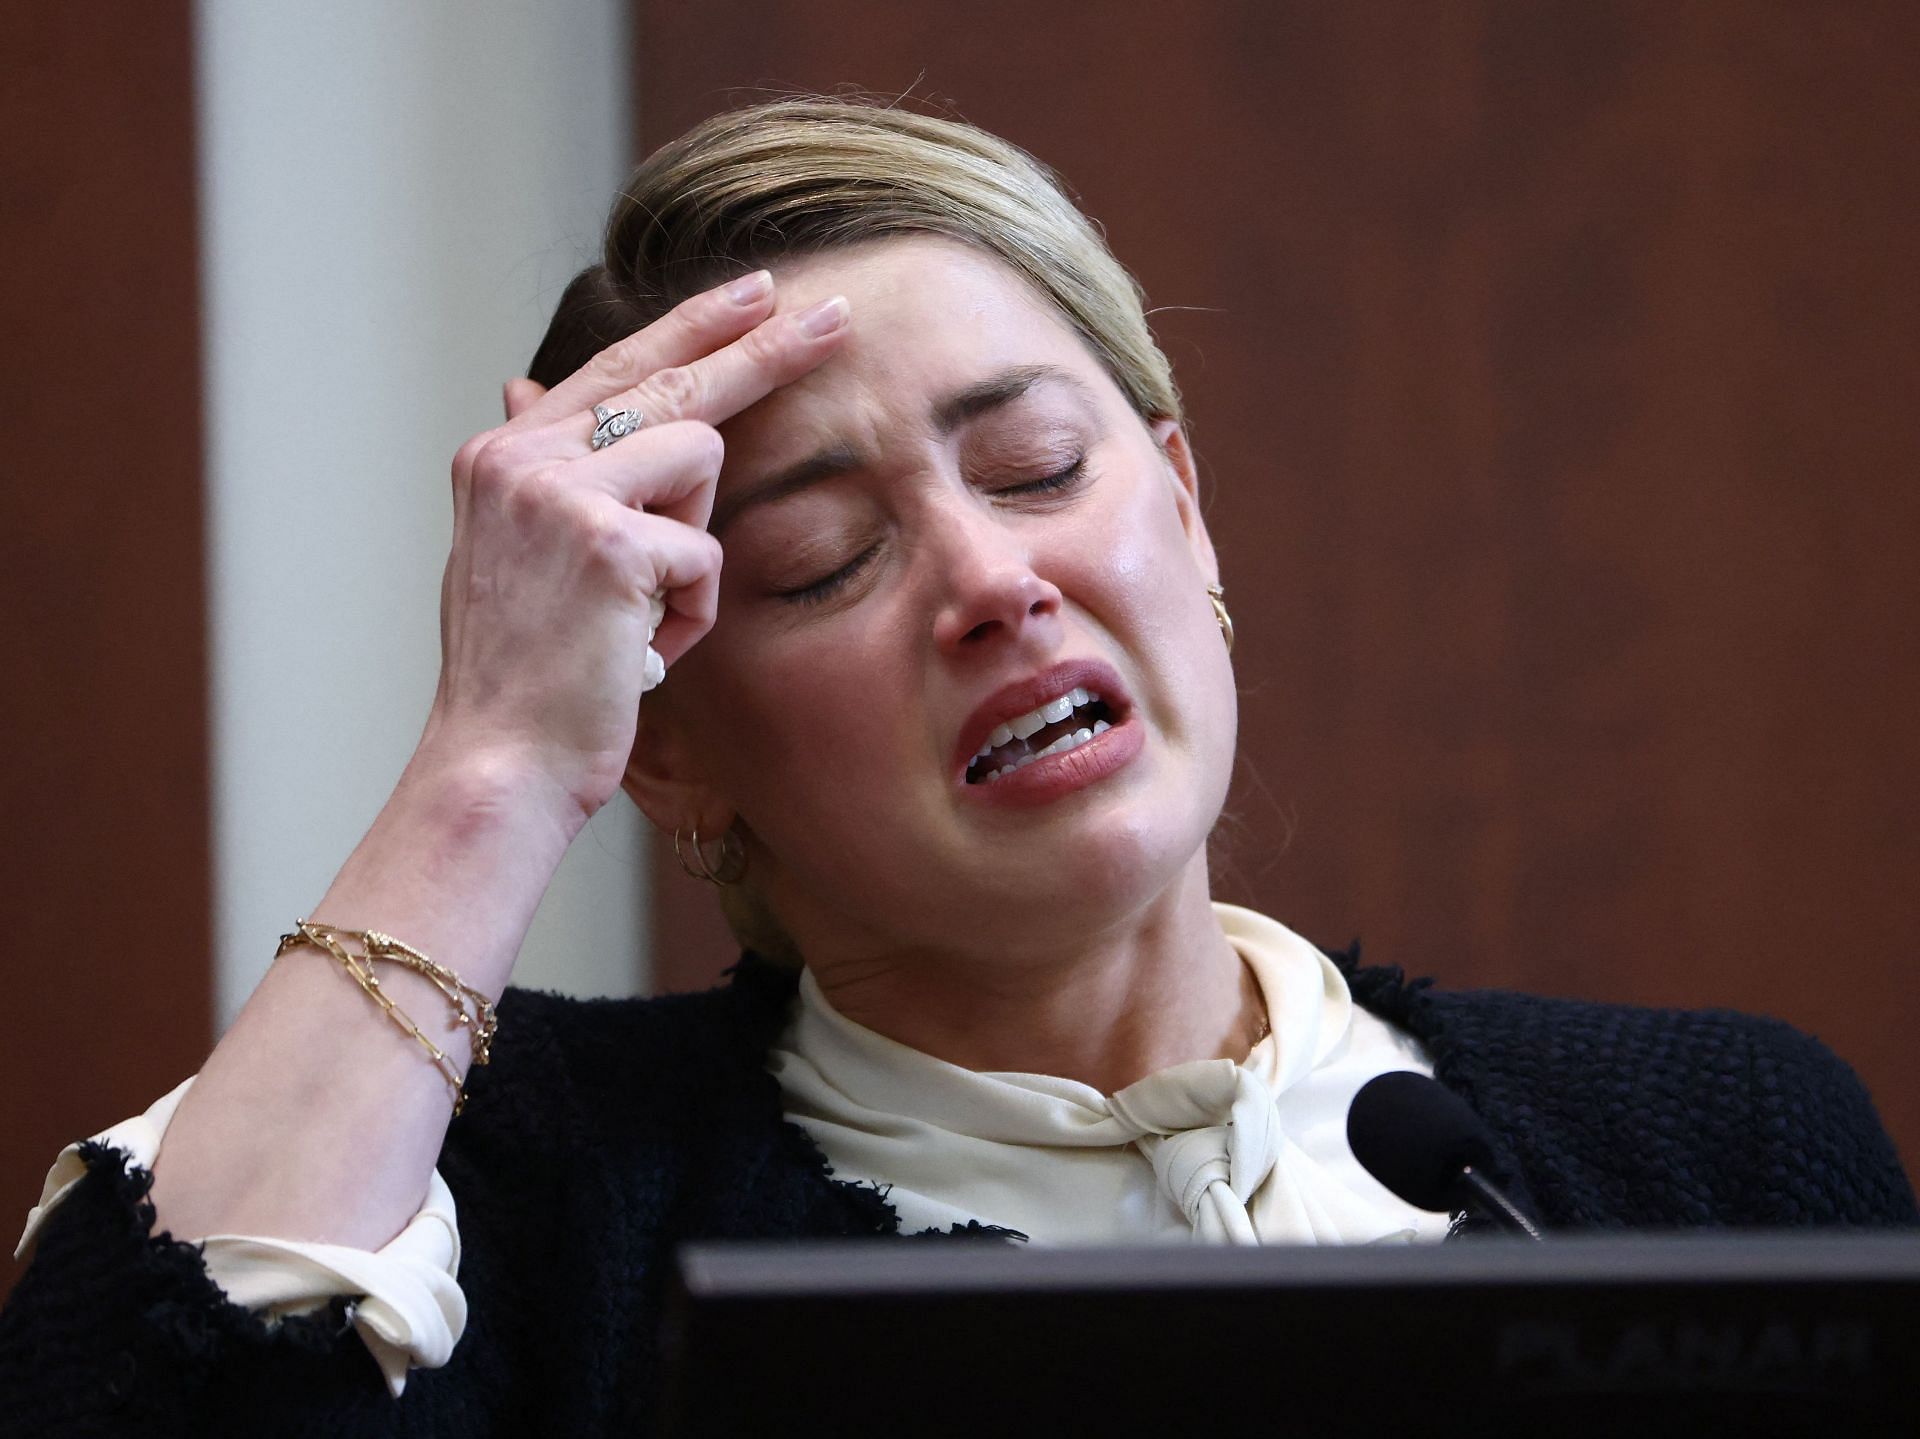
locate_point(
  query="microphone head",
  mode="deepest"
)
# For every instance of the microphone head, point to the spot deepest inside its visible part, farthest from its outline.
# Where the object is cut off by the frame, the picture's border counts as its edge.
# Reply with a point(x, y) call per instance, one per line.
point(1415, 1136)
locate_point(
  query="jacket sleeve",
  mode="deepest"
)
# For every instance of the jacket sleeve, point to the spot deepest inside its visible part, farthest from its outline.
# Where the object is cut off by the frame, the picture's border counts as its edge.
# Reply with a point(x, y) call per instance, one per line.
point(1819, 1152)
point(405, 1297)
point(113, 1329)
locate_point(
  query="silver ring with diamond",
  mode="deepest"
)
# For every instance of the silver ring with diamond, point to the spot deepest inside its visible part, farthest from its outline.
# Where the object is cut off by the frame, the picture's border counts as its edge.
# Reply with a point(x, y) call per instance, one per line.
point(611, 425)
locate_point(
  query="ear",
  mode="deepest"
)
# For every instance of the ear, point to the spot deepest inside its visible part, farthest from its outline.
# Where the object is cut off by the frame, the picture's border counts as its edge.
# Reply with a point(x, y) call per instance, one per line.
point(1172, 440)
point(665, 779)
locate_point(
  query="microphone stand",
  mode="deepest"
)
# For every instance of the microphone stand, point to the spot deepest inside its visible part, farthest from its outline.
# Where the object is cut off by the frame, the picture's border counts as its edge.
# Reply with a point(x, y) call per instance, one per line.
point(1496, 1206)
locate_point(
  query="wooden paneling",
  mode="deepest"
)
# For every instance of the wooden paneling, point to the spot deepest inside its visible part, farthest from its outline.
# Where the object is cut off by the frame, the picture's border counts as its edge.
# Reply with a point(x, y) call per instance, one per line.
point(1554, 366)
point(104, 889)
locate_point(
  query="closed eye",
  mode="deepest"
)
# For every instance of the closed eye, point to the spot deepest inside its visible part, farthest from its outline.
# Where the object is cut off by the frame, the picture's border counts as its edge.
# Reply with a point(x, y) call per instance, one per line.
point(826, 587)
point(1058, 481)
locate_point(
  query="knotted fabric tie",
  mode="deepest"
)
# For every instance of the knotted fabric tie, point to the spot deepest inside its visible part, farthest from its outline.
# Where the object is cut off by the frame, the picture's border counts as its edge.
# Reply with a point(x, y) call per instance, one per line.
point(1213, 1136)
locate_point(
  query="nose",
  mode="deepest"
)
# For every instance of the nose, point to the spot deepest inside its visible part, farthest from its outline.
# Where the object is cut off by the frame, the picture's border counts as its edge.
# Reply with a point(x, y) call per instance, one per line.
point(992, 593)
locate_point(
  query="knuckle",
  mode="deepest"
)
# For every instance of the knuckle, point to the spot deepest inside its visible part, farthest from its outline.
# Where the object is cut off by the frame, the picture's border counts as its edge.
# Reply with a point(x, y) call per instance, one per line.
point(673, 392)
point(588, 533)
point(465, 457)
point(695, 315)
point(601, 536)
point(530, 497)
point(494, 462)
point(625, 568)
point(766, 344)
point(620, 360)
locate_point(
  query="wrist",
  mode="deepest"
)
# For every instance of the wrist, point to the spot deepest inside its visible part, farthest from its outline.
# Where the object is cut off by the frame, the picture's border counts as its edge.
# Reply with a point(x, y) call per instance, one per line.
point(457, 861)
point(476, 795)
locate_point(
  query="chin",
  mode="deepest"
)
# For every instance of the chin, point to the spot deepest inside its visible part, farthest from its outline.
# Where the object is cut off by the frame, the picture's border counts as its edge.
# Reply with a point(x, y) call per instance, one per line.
point(1027, 881)
point(1115, 868)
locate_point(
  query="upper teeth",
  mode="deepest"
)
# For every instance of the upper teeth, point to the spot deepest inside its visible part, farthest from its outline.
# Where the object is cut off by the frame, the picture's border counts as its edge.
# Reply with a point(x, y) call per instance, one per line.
point(1034, 720)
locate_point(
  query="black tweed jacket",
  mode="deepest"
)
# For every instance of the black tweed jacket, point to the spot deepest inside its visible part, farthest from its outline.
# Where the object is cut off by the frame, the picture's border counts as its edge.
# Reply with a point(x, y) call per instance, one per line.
point(606, 1132)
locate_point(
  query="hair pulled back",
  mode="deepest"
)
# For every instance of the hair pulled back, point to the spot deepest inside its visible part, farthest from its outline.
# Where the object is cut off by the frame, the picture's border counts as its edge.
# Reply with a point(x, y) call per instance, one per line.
point(749, 187)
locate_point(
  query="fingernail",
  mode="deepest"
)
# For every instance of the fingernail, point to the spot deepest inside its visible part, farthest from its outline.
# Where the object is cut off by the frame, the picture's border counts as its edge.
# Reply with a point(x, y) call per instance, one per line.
point(748, 288)
point(823, 318)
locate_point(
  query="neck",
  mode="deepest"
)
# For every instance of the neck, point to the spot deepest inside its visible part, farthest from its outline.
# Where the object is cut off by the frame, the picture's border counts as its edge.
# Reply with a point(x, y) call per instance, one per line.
point(1154, 988)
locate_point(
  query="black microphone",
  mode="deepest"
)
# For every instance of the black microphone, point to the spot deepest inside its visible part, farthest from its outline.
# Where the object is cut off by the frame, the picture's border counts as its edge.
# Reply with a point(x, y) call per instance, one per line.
point(1420, 1139)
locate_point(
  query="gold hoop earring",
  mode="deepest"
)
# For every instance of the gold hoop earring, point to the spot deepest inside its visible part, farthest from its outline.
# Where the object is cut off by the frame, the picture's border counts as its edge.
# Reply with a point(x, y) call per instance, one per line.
point(729, 868)
point(1218, 594)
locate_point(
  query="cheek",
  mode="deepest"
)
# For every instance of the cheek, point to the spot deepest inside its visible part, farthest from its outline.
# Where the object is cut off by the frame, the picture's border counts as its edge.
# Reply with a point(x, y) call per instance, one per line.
point(1138, 558)
point(796, 721)
point(1140, 580)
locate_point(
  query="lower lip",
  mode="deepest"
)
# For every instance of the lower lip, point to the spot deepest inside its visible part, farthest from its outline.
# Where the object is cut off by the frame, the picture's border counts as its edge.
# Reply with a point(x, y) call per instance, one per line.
point(1059, 775)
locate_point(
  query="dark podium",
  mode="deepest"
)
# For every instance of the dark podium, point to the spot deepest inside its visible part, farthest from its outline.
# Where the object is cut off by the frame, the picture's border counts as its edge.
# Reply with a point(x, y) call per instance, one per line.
point(1702, 1335)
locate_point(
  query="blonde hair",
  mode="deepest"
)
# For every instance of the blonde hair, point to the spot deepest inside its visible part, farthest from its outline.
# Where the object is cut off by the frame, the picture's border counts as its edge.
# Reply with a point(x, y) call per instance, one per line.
point(798, 177)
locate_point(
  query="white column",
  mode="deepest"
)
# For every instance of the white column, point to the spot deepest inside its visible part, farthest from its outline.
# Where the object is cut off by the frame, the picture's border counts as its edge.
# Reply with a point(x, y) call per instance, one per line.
point(392, 198)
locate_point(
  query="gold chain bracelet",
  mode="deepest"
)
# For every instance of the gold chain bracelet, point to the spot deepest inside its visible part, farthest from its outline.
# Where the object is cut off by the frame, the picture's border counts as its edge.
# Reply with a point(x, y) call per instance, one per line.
point(471, 1009)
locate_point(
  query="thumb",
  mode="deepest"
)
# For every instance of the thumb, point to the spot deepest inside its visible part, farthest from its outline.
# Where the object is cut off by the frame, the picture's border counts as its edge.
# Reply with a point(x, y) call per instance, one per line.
point(518, 393)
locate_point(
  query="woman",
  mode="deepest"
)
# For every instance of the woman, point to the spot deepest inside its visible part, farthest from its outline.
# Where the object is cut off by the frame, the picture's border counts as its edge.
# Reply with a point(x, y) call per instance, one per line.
point(859, 435)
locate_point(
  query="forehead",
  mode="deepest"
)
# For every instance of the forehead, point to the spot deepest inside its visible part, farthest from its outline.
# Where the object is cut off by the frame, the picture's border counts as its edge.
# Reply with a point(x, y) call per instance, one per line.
point(928, 316)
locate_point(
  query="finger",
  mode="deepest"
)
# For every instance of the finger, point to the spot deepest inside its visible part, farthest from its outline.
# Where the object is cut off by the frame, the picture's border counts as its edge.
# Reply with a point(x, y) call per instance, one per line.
point(519, 394)
point(686, 332)
point(718, 386)
point(681, 563)
point(665, 467)
point(668, 470)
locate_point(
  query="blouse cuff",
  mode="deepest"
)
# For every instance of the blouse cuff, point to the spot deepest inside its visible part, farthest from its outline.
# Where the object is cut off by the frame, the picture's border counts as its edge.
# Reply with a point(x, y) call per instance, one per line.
point(408, 1307)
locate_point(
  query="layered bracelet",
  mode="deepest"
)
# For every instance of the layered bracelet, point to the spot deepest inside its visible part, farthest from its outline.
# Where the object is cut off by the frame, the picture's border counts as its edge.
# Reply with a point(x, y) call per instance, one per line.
point(471, 1009)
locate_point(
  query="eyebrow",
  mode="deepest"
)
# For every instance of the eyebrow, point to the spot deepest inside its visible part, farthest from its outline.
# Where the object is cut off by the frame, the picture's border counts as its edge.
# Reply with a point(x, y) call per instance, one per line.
point(840, 458)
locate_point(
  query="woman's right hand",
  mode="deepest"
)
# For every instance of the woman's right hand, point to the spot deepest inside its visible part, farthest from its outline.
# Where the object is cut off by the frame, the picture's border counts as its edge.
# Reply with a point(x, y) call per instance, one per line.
point(558, 549)
point(316, 1117)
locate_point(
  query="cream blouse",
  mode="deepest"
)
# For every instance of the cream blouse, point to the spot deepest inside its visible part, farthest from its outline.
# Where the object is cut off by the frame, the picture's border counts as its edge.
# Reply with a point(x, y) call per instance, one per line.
point(1211, 1151)
point(1208, 1151)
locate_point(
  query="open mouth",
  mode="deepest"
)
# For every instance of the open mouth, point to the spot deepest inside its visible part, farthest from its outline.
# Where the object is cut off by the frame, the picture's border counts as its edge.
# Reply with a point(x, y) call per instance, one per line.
point(1061, 724)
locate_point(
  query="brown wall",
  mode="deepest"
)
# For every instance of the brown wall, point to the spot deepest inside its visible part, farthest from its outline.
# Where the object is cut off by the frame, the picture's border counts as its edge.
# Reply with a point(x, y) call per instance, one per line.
point(1554, 365)
point(104, 893)
point(1555, 368)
